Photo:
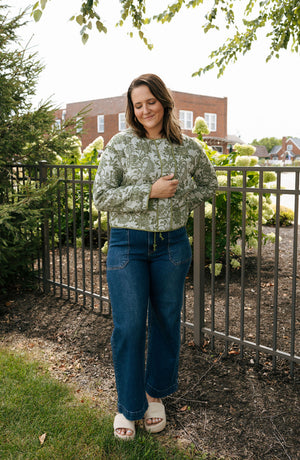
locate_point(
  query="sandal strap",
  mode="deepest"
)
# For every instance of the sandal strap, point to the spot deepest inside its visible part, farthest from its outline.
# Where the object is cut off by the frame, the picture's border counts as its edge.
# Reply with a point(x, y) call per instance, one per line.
point(155, 410)
point(122, 422)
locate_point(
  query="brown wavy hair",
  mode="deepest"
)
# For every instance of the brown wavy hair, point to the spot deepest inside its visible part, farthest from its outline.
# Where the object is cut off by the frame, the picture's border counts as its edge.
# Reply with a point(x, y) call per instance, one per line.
point(171, 127)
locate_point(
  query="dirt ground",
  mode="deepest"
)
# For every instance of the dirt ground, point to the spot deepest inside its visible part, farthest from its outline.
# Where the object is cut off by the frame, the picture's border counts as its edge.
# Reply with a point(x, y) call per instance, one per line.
point(226, 406)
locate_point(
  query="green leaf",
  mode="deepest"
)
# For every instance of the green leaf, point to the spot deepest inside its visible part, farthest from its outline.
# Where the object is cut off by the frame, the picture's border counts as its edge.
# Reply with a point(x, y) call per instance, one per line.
point(43, 4)
point(84, 38)
point(79, 19)
point(101, 27)
point(37, 15)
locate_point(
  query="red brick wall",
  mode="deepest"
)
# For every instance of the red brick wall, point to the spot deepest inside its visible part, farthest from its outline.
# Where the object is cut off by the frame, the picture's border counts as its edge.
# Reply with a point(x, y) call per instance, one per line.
point(111, 107)
point(200, 105)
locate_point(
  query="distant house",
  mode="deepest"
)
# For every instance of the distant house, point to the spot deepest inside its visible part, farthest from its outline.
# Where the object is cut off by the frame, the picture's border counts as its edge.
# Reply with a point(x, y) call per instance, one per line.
point(232, 140)
point(106, 117)
point(288, 152)
point(262, 153)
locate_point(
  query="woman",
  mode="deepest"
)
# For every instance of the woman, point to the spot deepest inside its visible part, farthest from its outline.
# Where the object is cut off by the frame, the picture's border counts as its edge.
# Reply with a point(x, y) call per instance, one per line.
point(150, 177)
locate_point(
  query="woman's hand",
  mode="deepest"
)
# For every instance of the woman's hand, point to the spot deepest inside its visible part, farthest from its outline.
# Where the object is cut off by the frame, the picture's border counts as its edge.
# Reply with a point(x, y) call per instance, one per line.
point(164, 187)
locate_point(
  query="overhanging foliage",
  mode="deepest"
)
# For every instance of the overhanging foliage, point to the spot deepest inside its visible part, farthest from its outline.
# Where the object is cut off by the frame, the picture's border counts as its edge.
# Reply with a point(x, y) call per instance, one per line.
point(278, 20)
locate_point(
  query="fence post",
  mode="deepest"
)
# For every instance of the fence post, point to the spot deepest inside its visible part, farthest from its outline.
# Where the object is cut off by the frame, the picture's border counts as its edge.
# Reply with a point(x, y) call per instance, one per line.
point(45, 233)
point(199, 272)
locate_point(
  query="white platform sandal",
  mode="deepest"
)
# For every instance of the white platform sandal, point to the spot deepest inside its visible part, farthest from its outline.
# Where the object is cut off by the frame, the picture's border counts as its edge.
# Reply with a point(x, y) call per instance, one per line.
point(155, 410)
point(121, 422)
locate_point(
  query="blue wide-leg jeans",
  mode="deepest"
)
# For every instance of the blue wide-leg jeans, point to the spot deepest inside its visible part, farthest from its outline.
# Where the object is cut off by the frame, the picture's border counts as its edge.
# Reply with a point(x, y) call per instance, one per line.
point(145, 275)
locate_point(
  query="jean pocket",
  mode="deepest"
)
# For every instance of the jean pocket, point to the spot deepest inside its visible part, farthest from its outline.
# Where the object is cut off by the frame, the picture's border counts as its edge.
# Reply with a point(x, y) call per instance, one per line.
point(118, 249)
point(180, 251)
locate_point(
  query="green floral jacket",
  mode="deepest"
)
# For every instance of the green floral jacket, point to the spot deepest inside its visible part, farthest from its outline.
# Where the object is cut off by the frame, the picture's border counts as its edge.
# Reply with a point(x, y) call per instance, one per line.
point(130, 165)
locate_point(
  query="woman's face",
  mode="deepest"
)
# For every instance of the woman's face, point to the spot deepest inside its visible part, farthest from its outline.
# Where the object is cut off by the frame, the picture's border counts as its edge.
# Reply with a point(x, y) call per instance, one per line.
point(148, 110)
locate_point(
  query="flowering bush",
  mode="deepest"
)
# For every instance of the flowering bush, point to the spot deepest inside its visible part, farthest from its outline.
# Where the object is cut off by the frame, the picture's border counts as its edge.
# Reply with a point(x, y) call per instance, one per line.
point(90, 155)
point(241, 156)
point(75, 210)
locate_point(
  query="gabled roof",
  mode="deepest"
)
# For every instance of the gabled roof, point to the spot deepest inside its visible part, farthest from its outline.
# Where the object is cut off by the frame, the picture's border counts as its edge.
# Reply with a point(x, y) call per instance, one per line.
point(275, 149)
point(261, 151)
point(295, 140)
point(233, 139)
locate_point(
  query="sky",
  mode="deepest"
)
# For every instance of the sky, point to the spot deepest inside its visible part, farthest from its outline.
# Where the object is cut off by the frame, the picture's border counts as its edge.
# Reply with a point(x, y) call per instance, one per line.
point(263, 98)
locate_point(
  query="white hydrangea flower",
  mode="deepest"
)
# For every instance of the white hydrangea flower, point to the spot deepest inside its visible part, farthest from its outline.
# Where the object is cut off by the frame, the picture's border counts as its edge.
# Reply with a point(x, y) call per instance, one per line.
point(244, 149)
point(104, 221)
point(252, 242)
point(94, 211)
point(269, 176)
point(235, 263)
point(236, 249)
point(253, 161)
point(70, 203)
point(222, 180)
point(250, 230)
point(252, 200)
point(271, 237)
point(218, 268)
point(200, 126)
point(268, 211)
point(242, 160)
point(208, 210)
point(104, 248)
point(237, 181)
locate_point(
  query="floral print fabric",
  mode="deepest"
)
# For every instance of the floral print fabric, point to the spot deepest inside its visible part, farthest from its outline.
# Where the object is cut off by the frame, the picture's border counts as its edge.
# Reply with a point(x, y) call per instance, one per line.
point(128, 168)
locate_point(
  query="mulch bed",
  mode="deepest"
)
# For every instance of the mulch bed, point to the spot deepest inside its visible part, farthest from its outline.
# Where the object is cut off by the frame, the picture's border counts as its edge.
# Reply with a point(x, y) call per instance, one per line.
point(226, 406)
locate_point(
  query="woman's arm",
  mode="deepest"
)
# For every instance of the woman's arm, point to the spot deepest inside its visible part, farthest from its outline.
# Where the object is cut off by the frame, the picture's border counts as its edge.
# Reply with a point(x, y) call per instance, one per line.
point(109, 194)
point(205, 178)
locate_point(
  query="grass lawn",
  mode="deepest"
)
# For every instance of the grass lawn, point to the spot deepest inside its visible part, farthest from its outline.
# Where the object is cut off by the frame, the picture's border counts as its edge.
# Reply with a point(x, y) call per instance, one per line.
point(33, 404)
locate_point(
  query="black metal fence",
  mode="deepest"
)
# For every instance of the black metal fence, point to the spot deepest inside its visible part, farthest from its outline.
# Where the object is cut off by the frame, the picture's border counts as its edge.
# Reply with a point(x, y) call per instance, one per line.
point(254, 306)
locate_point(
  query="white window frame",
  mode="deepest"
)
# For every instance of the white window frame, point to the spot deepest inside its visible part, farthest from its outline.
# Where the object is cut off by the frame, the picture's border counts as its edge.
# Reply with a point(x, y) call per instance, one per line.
point(211, 121)
point(186, 119)
point(100, 123)
point(122, 121)
point(58, 123)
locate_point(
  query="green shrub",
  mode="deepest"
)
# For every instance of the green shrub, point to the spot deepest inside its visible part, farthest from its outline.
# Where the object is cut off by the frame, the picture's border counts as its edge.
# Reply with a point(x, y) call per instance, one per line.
point(286, 217)
point(241, 156)
point(20, 237)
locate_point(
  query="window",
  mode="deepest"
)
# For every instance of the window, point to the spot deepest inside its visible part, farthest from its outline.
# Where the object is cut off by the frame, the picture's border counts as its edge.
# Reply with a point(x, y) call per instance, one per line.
point(211, 121)
point(122, 122)
point(58, 123)
point(63, 115)
point(100, 123)
point(186, 119)
point(289, 147)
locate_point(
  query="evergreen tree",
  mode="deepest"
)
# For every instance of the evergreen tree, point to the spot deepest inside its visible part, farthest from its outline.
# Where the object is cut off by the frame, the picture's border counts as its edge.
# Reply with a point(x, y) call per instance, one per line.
point(27, 134)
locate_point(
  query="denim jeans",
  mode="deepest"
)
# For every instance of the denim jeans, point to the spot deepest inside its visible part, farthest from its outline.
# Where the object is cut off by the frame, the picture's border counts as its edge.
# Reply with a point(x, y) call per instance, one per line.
point(145, 275)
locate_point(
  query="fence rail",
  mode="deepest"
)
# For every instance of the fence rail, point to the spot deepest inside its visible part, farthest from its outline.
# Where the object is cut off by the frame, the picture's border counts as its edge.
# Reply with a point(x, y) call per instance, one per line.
point(255, 307)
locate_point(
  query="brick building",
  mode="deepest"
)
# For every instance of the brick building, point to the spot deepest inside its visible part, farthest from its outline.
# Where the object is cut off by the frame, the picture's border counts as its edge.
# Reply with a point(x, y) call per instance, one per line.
point(106, 117)
point(288, 151)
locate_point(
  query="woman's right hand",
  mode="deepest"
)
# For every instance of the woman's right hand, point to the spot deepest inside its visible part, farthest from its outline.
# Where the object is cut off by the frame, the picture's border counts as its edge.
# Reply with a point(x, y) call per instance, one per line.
point(164, 187)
